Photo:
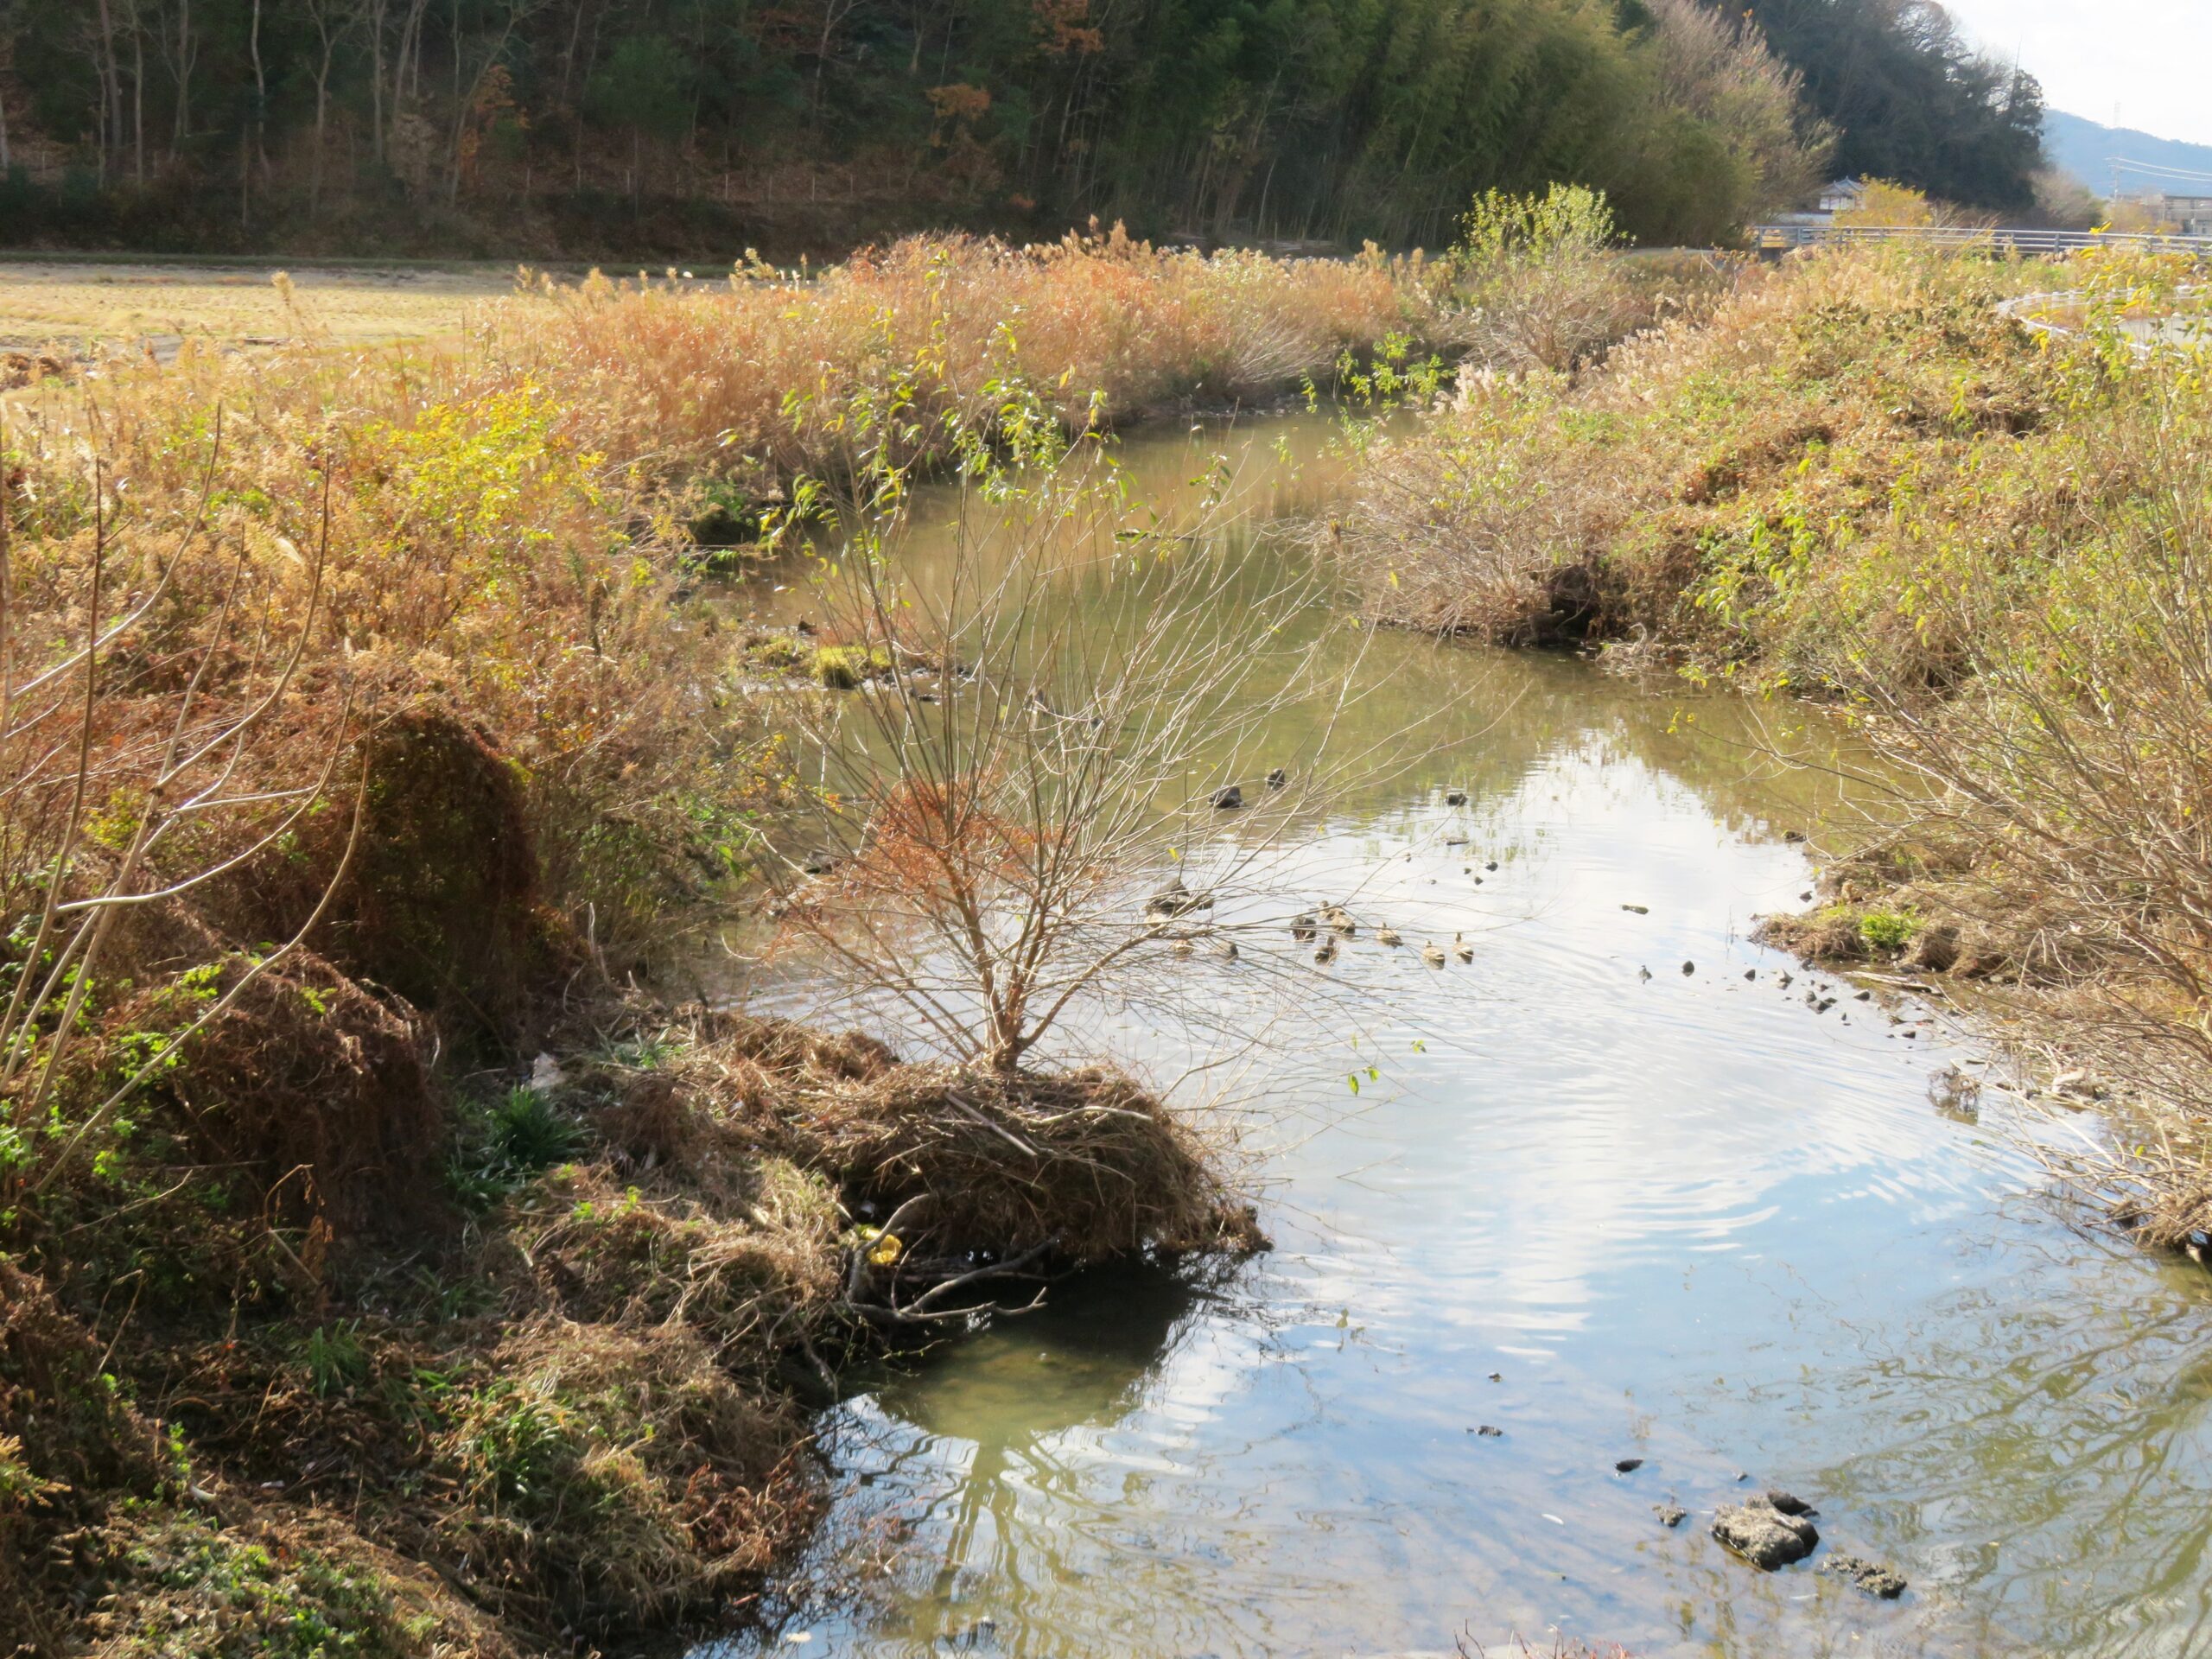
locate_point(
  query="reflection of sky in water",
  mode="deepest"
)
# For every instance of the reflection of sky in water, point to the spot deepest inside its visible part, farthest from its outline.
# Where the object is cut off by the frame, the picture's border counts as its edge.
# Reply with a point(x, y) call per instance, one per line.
point(1684, 1219)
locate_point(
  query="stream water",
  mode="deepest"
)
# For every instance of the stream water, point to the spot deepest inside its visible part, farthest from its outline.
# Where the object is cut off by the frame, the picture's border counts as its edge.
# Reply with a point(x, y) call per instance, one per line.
point(1614, 1189)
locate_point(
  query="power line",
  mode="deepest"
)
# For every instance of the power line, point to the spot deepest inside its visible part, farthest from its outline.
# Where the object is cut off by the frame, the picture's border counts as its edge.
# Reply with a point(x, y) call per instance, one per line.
point(2121, 163)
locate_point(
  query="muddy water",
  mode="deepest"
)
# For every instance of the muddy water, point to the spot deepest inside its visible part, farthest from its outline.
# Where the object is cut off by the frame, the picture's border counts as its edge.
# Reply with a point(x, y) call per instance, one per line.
point(1614, 1189)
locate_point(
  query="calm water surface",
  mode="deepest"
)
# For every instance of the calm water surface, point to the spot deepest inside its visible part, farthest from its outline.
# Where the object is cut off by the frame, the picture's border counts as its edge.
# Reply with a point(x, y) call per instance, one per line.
point(1612, 1207)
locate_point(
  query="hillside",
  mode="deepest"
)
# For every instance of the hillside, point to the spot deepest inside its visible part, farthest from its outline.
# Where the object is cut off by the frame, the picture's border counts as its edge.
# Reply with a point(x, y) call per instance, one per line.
point(618, 129)
point(2085, 149)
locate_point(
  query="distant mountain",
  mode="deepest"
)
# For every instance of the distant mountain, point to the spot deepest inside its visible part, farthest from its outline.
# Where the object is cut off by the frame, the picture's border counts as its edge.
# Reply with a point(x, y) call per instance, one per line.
point(2085, 148)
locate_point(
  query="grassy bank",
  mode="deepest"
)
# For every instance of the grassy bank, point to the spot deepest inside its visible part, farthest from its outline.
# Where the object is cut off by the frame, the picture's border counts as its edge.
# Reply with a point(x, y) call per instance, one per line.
point(1859, 480)
point(386, 1267)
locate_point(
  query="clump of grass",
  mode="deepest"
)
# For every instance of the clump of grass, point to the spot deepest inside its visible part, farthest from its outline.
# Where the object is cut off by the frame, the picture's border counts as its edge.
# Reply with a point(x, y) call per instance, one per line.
point(1888, 930)
point(845, 668)
point(504, 1143)
point(1724, 485)
point(619, 1474)
point(290, 1587)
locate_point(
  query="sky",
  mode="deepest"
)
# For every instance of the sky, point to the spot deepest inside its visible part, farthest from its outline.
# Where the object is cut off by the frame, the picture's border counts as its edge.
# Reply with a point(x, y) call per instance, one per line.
point(2151, 59)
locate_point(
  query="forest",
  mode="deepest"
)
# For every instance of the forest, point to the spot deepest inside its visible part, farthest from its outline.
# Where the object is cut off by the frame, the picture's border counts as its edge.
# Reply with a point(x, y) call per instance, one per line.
point(603, 128)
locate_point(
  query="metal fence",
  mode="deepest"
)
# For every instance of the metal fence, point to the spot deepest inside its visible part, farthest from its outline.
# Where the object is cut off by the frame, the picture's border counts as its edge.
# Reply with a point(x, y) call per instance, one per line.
point(1769, 239)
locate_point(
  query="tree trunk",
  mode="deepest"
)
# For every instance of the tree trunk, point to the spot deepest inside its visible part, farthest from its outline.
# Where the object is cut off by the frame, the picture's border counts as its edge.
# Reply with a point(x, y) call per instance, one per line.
point(137, 102)
point(111, 92)
point(321, 113)
point(376, 80)
point(260, 81)
point(184, 56)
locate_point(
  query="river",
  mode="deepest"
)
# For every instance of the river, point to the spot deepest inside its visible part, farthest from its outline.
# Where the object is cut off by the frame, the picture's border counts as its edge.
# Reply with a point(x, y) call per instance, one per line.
point(1615, 1189)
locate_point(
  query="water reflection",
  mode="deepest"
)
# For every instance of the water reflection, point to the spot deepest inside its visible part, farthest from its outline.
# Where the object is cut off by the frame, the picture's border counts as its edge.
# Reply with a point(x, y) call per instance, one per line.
point(1609, 1207)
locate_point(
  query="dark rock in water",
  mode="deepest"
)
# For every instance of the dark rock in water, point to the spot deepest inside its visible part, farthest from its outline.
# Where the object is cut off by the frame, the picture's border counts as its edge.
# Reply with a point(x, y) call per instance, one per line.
point(1455, 798)
point(1751, 973)
point(1871, 1576)
point(1763, 1536)
point(1670, 1515)
point(1489, 1431)
point(1863, 996)
point(1229, 800)
point(1787, 1503)
point(1628, 1466)
point(1491, 865)
point(1277, 778)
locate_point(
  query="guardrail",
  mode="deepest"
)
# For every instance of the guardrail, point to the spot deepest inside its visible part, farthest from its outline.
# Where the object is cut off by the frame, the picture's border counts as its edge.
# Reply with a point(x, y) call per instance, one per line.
point(1769, 239)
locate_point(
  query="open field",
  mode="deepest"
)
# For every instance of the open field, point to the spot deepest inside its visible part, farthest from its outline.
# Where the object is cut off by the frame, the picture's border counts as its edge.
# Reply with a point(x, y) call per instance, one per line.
point(80, 303)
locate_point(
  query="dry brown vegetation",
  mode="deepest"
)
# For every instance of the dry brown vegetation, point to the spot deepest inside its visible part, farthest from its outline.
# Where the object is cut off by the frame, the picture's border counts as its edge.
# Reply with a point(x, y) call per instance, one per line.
point(363, 732)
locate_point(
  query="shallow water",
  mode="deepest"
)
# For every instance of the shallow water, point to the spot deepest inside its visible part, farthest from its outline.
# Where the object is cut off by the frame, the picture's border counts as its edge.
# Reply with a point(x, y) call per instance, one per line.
point(1681, 1217)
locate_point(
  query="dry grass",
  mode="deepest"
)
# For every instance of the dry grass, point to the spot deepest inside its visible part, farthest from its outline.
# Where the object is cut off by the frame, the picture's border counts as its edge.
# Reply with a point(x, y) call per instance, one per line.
point(1722, 482)
point(422, 625)
point(757, 380)
point(91, 306)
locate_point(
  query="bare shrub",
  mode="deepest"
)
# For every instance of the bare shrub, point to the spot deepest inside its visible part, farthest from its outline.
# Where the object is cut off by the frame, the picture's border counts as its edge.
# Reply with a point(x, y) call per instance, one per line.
point(1018, 816)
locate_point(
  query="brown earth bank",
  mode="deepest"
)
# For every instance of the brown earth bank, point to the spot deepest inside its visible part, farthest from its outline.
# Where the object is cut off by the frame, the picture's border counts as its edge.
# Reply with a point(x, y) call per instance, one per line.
point(373, 1361)
point(383, 1271)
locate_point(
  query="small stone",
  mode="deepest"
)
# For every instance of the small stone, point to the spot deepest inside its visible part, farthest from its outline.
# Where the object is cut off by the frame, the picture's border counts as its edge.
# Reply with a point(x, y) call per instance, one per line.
point(1670, 1515)
point(1628, 1466)
point(1491, 865)
point(1751, 973)
point(1765, 1536)
point(1788, 1504)
point(1871, 1576)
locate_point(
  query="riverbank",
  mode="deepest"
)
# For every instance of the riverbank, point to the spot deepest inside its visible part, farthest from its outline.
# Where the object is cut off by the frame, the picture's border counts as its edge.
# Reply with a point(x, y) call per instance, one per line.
point(1862, 481)
point(386, 1268)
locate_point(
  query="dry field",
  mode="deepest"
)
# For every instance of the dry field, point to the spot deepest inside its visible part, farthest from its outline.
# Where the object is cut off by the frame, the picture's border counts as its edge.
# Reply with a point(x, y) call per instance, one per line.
point(76, 305)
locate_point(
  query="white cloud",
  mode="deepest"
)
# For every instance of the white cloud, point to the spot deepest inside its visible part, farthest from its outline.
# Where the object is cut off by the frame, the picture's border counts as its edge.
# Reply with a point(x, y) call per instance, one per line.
point(2143, 60)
